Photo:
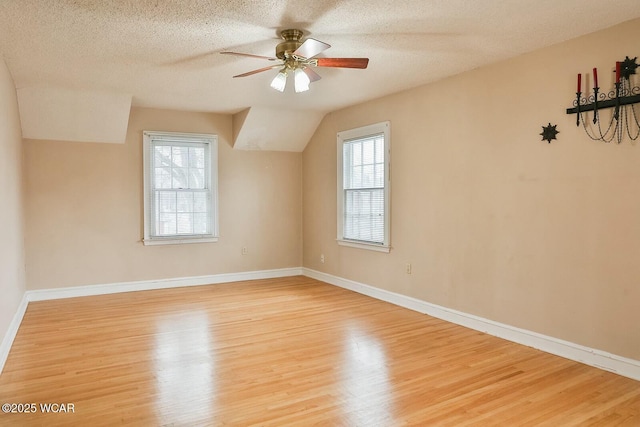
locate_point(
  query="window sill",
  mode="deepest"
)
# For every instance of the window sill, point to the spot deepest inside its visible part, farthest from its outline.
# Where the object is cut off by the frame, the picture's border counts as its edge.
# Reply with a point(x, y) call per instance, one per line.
point(178, 241)
point(362, 245)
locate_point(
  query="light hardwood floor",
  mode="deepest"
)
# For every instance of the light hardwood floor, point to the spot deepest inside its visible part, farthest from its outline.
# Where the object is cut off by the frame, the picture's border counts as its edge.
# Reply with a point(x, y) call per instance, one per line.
point(291, 351)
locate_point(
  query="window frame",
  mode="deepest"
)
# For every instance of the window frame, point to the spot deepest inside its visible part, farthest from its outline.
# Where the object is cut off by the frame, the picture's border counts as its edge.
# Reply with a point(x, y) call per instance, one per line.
point(344, 137)
point(211, 183)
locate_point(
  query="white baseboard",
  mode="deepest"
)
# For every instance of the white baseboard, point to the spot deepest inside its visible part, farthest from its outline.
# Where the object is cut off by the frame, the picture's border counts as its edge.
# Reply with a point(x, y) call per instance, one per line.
point(7, 341)
point(146, 285)
point(620, 365)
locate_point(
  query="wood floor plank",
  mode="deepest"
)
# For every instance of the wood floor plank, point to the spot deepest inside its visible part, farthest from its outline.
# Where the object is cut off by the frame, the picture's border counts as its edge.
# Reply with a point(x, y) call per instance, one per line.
point(290, 351)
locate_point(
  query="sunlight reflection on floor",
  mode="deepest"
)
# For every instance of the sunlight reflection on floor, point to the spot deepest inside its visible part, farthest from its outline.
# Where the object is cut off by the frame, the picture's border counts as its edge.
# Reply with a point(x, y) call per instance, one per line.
point(184, 368)
point(366, 380)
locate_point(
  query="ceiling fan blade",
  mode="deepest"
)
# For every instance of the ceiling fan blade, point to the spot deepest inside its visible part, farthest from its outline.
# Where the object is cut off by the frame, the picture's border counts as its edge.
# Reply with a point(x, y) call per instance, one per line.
point(343, 62)
point(311, 48)
point(259, 70)
point(313, 76)
point(249, 55)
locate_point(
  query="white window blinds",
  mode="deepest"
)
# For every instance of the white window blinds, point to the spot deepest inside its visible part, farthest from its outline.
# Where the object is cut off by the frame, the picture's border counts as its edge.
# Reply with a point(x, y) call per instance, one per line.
point(363, 186)
point(364, 189)
point(179, 190)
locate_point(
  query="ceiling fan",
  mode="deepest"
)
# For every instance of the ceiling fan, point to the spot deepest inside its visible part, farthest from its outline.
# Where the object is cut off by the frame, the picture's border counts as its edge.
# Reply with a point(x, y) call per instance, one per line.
point(297, 57)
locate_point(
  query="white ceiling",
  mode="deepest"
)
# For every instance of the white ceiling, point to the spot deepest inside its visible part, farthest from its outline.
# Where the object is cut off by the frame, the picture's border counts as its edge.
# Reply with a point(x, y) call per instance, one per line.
point(165, 53)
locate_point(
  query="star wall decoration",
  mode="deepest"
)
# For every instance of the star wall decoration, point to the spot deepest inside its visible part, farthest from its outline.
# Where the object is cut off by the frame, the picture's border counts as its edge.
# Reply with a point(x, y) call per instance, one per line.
point(549, 132)
point(629, 67)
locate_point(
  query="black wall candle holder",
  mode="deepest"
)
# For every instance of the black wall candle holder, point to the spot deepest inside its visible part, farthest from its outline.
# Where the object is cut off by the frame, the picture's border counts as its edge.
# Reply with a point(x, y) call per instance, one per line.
point(624, 119)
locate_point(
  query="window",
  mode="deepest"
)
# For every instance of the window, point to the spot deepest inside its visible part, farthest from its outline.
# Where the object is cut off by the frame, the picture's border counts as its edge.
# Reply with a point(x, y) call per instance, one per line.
point(180, 188)
point(363, 187)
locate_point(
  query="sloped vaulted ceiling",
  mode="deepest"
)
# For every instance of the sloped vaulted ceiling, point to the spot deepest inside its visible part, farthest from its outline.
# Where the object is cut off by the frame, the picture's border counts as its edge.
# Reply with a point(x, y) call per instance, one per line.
point(69, 57)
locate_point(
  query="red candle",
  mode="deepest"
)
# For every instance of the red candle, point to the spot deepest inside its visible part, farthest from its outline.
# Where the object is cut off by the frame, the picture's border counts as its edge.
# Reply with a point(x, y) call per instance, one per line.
point(579, 83)
point(595, 77)
point(618, 71)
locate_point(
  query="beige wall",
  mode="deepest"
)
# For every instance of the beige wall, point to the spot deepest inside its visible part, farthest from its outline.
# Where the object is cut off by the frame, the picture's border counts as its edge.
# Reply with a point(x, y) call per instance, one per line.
point(12, 281)
point(84, 209)
point(494, 221)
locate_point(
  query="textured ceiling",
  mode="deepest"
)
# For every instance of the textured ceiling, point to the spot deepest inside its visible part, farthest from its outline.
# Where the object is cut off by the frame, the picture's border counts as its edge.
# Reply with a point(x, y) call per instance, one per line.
point(165, 53)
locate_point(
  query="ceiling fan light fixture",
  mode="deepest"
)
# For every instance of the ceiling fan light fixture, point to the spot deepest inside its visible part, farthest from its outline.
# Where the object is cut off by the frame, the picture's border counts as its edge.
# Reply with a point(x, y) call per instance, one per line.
point(298, 57)
point(279, 81)
point(301, 82)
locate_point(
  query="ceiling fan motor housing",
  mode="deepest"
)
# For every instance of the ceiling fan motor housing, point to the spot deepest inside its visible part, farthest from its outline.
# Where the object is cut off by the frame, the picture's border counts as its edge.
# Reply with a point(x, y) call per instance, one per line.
point(290, 44)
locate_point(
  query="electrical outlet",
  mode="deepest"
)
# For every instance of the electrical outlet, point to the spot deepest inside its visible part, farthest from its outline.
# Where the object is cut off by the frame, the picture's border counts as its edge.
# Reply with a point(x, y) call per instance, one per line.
point(407, 268)
point(322, 258)
point(244, 250)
